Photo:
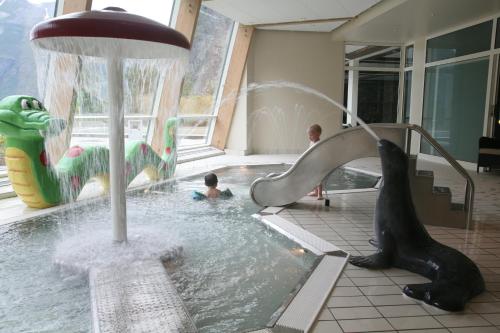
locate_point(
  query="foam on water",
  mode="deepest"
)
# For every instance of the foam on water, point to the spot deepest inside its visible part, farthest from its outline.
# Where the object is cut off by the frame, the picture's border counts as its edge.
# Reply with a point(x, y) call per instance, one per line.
point(93, 249)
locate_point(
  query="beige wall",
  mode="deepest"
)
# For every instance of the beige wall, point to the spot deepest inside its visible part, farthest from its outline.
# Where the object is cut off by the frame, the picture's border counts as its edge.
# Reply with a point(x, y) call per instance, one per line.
point(237, 141)
point(277, 119)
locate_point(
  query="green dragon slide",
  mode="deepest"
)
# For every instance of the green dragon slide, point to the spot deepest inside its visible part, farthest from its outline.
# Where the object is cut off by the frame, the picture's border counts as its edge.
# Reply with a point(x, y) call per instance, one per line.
point(25, 123)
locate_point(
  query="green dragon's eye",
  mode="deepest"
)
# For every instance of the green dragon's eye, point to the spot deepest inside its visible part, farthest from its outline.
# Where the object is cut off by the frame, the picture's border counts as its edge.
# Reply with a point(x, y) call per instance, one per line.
point(25, 104)
point(36, 104)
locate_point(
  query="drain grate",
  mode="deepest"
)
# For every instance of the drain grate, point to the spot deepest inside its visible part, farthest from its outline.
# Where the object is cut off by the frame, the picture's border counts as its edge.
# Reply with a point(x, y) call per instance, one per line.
point(137, 298)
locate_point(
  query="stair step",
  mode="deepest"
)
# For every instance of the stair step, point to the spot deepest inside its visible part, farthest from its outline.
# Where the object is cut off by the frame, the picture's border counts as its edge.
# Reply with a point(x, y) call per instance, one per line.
point(441, 190)
point(425, 173)
point(457, 206)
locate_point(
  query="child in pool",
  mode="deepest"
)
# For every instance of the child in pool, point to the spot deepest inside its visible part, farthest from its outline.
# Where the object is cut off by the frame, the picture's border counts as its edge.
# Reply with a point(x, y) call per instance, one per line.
point(212, 192)
point(314, 133)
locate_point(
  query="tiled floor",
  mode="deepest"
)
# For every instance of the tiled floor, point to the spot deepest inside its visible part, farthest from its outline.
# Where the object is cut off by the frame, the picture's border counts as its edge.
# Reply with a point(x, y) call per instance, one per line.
point(366, 301)
point(371, 301)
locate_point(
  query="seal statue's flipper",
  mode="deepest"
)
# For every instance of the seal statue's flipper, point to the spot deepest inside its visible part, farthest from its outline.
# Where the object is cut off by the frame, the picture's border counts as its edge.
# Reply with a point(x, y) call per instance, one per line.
point(440, 294)
point(377, 260)
point(381, 259)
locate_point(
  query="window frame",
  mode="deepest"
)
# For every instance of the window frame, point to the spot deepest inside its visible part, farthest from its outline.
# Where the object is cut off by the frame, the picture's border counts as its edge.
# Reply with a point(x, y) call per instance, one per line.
point(213, 116)
point(493, 59)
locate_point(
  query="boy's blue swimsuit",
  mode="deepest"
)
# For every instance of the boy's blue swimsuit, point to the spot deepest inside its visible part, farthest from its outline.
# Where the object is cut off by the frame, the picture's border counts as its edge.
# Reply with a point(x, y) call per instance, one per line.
point(226, 194)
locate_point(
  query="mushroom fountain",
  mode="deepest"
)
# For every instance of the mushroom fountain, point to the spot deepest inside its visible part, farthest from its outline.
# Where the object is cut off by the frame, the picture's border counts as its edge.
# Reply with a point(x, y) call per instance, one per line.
point(114, 35)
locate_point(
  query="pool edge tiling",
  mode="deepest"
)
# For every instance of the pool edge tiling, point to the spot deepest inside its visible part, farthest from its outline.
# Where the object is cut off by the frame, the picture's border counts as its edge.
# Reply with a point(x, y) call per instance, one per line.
point(305, 307)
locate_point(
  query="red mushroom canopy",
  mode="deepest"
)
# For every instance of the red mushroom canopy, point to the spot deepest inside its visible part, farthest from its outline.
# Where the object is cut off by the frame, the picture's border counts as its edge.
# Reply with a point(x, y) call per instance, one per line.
point(117, 25)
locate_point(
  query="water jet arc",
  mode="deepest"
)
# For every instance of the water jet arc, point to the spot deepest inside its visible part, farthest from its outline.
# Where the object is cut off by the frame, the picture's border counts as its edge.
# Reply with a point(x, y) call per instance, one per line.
point(113, 35)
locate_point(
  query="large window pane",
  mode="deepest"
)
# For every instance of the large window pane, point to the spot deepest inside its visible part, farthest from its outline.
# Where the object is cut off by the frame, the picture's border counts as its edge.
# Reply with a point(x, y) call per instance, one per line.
point(203, 78)
point(158, 10)
point(497, 35)
point(409, 56)
point(141, 85)
point(378, 97)
point(193, 131)
point(454, 107)
point(458, 43)
point(91, 124)
point(17, 65)
point(407, 97)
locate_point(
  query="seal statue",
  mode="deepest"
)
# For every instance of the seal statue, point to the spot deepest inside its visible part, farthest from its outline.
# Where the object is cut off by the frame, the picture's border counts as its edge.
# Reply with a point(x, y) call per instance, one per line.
point(404, 243)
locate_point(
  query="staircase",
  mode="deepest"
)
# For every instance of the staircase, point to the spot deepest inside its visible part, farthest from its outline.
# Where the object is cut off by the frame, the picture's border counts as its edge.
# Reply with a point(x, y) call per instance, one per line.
point(433, 203)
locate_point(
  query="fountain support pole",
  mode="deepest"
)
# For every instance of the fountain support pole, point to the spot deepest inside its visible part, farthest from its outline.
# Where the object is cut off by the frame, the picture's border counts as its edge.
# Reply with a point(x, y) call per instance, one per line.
point(117, 149)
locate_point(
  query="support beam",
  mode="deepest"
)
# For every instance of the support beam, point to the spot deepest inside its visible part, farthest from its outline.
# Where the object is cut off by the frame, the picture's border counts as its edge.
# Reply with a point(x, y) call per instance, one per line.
point(277, 24)
point(187, 17)
point(352, 94)
point(232, 86)
point(71, 6)
point(365, 17)
point(185, 23)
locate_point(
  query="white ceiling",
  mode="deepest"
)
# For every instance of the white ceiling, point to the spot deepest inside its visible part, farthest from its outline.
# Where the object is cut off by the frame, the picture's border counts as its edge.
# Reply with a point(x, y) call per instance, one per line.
point(416, 18)
point(252, 12)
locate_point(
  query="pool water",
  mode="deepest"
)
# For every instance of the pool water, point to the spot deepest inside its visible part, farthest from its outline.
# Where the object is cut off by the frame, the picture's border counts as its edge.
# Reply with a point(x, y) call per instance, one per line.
point(233, 273)
point(349, 179)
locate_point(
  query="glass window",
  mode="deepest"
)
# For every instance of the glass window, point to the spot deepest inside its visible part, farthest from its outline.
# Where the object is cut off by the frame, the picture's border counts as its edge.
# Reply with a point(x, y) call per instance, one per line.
point(158, 10)
point(454, 107)
point(407, 97)
point(346, 88)
point(497, 35)
point(17, 65)
point(409, 56)
point(458, 43)
point(385, 58)
point(203, 78)
point(141, 85)
point(90, 124)
point(378, 96)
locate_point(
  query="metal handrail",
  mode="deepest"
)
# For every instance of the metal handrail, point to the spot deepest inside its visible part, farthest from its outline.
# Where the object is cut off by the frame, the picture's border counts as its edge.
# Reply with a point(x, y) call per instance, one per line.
point(469, 189)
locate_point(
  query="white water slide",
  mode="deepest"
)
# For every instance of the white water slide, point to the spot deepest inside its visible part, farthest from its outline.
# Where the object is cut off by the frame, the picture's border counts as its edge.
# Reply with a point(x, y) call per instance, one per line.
point(434, 204)
point(316, 163)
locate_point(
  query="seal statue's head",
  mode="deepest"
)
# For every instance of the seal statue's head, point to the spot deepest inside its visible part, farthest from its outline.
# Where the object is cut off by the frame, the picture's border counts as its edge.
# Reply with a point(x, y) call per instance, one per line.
point(394, 159)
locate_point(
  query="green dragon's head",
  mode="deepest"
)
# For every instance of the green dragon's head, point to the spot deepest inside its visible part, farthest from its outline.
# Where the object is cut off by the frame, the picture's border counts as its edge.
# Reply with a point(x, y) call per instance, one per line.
point(25, 116)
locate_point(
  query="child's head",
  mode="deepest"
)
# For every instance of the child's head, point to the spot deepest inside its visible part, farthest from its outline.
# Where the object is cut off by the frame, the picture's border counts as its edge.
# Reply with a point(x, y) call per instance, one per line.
point(211, 180)
point(314, 132)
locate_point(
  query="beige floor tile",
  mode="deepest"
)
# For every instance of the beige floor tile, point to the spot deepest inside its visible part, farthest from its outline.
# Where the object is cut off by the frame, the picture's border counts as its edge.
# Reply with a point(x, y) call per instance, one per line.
point(462, 320)
point(327, 327)
point(381, 290)
point(485, 307)
point(342, 302)
point(365, 325)
point(372, 281)
point(346, 291)
point(493, 318)
point(407, 323)
point(344, 282)
point(485, 297)
point(435, 330)
point(475, 330)
point(364, 273)
point(355, 313)
point(390, 300)
point(326, 315)
point(402, 310)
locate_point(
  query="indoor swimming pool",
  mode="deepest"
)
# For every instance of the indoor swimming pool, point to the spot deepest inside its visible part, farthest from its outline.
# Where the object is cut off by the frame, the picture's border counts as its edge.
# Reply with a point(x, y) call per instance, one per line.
point(232, 272)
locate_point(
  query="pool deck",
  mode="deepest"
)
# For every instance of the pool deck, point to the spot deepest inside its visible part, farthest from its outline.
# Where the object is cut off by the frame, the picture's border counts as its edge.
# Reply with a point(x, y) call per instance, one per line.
point(369, 301)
